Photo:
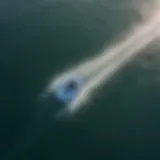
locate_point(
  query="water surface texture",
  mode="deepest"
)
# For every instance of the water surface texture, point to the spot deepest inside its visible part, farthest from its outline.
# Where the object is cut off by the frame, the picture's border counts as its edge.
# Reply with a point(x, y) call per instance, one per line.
point(39, 39)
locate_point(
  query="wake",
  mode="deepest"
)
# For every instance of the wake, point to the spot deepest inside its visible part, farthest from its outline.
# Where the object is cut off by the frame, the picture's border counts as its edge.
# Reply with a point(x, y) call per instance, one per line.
point(98, 70)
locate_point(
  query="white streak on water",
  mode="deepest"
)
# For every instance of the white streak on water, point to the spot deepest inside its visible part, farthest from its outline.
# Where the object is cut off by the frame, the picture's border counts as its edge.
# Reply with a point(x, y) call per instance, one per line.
point(101, 68)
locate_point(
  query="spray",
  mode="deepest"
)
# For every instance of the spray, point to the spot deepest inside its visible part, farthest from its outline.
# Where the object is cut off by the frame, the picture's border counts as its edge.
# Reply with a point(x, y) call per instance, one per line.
point(98, 70)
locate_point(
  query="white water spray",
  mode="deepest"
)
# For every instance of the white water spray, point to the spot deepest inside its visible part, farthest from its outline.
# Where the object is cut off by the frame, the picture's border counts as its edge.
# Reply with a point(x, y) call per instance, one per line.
point(101, 68)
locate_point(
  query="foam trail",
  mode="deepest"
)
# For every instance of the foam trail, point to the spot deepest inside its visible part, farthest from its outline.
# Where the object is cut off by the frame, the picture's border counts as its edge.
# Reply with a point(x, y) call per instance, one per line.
point(119, 55)
point(100, 69)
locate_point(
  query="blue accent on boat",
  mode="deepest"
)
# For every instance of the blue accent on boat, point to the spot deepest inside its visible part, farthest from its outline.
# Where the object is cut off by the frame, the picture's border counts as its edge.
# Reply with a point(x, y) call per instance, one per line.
point(69, 89)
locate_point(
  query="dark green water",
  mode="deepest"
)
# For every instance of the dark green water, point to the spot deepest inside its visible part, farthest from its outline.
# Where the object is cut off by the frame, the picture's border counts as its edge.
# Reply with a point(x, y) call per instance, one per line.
point(42, 38)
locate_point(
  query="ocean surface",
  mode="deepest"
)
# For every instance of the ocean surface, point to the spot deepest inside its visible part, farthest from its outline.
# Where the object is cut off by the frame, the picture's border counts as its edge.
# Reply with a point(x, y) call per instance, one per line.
point(40, 38)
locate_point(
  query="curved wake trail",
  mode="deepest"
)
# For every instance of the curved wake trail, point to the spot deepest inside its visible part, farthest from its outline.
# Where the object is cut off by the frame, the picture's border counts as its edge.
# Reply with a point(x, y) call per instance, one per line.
point(100, 69)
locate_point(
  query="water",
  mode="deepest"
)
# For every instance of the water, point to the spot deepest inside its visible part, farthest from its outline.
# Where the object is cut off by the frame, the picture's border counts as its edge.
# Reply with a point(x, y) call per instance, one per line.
point(40, 39)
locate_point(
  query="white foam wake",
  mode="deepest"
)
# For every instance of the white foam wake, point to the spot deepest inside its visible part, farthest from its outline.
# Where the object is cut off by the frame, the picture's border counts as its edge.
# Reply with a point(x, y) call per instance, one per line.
point(100, 69)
